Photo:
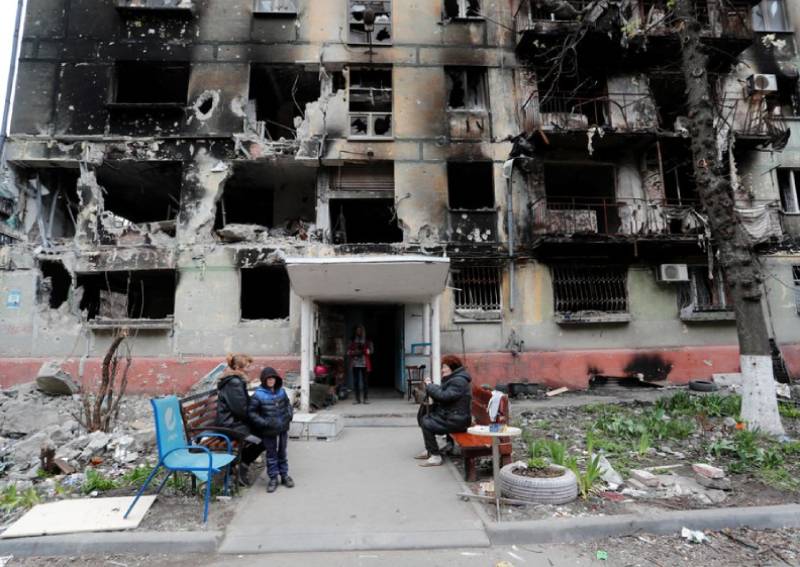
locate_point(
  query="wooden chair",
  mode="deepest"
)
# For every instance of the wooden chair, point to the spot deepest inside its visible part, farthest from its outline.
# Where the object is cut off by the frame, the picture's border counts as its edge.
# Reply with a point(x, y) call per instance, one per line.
point(415, 376)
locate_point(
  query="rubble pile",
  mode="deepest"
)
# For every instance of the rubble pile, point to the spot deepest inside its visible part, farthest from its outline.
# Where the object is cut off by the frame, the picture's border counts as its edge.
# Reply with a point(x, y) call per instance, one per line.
point(34, 423)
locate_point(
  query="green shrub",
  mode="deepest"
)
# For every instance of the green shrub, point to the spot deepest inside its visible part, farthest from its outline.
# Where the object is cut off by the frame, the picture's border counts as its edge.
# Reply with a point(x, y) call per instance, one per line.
point(96, 481)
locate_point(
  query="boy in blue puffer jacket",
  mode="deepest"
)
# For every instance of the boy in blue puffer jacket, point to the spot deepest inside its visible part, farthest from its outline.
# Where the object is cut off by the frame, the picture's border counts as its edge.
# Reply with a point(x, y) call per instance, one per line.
point(270, 415)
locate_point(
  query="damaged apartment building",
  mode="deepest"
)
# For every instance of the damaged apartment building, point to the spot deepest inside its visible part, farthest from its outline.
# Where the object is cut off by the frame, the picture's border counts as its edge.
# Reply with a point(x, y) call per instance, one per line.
point(262, 176)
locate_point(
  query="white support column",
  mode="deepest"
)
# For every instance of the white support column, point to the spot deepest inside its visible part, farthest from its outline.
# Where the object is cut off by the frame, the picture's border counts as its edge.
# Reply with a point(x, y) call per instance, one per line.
point(436, 336)
point(426, 327)
point(305, 354)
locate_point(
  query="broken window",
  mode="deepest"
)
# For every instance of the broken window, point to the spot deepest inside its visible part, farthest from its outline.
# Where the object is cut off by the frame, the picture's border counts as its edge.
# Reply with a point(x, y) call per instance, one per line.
point(477, 288)
point(55, 284)
point(704, 292)
point(657, 13)
point(580, 197)
point(275, 7)
point(117, 296)
point(364, 221)
point(466, 88)
point(370, 22)
point(142, 192)
point(265, 293)
point(280, 94)
point(151, 83)
point(279, 197)
point(770, 16)
point(789, 183)
point(679, 185)
point(57, 187)
point(370, 103)
point(590, 288)
point(462, 9)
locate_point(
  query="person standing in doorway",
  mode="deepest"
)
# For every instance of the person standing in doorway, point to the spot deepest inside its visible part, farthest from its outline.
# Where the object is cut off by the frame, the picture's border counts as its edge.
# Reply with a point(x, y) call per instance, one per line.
point(360, 352)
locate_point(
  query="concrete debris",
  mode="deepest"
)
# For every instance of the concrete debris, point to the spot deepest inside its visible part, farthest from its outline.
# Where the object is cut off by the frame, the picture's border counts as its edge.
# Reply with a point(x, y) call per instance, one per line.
point(241, 232)
point(646, 478)
point(715, 483)
point(607, 472)
point(708, 471)
point(51, 379)
point(693, 536)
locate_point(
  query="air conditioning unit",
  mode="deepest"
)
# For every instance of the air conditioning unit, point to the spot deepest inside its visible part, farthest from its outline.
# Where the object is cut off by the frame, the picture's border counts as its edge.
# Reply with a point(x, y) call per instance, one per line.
point(673, 273)
point(761, 83)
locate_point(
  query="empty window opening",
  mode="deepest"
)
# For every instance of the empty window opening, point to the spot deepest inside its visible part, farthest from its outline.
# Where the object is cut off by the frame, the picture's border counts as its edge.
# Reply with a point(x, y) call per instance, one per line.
point(269, 195)
point(704, 292)
point(275, 7)
point(60, 202)
point(477, 288)
point(373, 177)
point(470, 185)
point(370, 22)
point(771, 16)
point(265, 293)
point(669, 95)
point(147, 294)
point(581, 198)
point(679, 185)
point(370, 103)
point(573, 102)
point(142, 191)
point(590, 288)
point(364, 221)
point(55, 284)
point(142, 82)
point(466, 88)
point(462, 9)
point(789, 182)
point(281, 94)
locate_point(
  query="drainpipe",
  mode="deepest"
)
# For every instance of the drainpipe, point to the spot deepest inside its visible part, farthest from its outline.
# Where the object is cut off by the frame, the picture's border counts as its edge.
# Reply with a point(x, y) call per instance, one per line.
point(436, 337)
point(12, 71)
point(508, 172)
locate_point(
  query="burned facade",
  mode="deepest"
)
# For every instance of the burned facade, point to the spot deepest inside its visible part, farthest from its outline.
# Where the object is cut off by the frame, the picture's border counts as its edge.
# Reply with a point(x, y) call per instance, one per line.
point(263, 175)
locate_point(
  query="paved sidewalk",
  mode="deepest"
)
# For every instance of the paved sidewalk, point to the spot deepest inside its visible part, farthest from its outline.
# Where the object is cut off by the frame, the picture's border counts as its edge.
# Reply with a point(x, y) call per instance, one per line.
point(361, 491)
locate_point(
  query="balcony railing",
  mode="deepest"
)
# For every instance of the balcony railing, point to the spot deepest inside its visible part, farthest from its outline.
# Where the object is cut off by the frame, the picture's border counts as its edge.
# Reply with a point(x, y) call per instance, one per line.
point(619, 110)
point(754, 116)
point(614, 217)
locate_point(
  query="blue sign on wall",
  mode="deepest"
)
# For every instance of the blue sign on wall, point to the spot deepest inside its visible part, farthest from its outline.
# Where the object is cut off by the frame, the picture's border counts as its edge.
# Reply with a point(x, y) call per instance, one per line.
point(14, 299)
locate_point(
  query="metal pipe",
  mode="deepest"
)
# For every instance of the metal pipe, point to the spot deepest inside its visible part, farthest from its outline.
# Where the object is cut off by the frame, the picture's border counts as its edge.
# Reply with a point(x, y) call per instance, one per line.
point(12, 71)
point(510, 230)
point(436, 340)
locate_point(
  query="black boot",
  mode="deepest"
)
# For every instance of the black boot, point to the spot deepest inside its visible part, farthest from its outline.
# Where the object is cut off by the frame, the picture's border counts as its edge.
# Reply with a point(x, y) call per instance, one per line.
point(244, 474)
point(272, 485)
point(287, 481)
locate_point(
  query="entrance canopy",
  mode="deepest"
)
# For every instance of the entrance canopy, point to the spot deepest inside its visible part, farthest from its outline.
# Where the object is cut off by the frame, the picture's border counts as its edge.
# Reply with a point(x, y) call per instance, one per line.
point(369, 279)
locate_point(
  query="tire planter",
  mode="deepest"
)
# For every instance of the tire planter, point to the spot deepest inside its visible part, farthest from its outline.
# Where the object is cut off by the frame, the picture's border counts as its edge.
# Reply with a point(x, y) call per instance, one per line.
point(703, 386)
point(558, 490)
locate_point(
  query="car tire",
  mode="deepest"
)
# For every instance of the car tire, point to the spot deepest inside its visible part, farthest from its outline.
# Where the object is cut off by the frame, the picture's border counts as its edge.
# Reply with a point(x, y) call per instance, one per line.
point(558, 490)
point(703, 386)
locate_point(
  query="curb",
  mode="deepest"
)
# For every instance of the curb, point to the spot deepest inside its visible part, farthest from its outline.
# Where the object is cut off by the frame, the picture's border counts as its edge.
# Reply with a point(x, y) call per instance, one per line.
point(143, 543)
point(587, 528)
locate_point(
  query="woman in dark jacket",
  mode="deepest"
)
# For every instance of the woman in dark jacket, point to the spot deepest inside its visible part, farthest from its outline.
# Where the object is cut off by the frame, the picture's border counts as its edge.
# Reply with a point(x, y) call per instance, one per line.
point(271, 415)
point(451, 411)
point(232, 406)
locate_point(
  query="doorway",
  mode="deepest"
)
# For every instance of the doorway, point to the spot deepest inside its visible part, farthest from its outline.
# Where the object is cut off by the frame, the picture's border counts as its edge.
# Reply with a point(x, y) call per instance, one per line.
point(384, 327)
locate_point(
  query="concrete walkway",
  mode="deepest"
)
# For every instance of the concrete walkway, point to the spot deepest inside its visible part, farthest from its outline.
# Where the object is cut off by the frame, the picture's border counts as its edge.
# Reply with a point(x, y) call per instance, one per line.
point(362, 491)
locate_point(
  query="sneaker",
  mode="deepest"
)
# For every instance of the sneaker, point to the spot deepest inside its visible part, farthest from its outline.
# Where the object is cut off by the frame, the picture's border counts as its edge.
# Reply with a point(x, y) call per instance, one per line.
point(272, 485)
point(433, 461)
point(287, 481)
point(422, 456)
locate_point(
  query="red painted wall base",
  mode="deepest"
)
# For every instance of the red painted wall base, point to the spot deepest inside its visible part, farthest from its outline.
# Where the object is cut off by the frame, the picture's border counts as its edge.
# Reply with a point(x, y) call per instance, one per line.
point(571, 368)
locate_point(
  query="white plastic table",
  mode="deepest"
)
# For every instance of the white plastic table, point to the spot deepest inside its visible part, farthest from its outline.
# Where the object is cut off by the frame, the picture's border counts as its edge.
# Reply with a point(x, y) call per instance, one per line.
point(505, 431)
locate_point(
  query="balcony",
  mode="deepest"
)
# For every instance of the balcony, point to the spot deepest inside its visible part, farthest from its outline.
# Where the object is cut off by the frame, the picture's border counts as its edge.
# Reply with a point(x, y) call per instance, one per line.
point(571, 216)
point(759, 118)
point(619, 111)
point(730, 22)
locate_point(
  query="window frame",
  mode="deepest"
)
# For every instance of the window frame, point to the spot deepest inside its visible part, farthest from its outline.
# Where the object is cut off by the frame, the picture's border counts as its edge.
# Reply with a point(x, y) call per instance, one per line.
point(699, 272)
point(758, 16)
point(482, 90)
point(352, 21)
point(371, 116)
point(463, 7)
point(484, 303)
point(585, 277)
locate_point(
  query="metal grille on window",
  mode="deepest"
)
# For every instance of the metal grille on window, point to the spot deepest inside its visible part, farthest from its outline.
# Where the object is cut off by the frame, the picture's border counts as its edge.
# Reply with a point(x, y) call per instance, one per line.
point(477, 288)
point(704, 294)
point(590, 288)
point(796, 276)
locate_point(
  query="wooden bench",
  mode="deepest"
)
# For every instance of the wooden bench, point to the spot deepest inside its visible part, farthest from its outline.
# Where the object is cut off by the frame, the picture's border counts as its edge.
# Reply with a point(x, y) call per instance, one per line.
point(474, 447)
point(199, 413)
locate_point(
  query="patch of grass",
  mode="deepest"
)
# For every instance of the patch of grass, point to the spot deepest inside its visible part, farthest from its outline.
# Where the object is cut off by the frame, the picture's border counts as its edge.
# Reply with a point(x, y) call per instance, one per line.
point(780, 478)
point(710, 405)
point(643, 445)
point(792, 448)
point(96, 481)
point(538, 463)
point(789, 411)
point(589, 478)
point(136, 477)
point(542, 424)
point(42, 474)
point(11, 499)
